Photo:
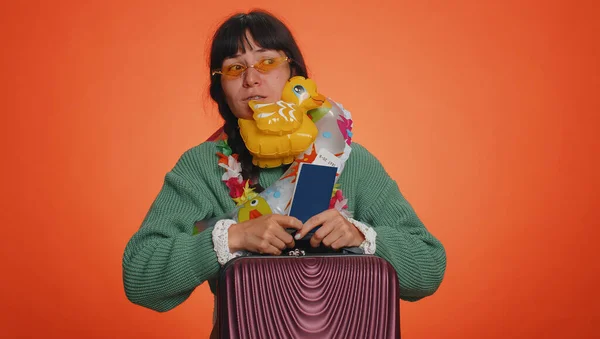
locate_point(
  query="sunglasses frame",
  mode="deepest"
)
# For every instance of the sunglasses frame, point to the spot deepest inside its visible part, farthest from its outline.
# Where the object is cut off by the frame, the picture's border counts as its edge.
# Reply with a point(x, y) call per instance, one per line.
point(257, 66)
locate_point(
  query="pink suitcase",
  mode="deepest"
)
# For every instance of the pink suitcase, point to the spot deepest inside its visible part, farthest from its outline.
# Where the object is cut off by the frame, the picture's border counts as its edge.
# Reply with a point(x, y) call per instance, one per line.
point(315, 296)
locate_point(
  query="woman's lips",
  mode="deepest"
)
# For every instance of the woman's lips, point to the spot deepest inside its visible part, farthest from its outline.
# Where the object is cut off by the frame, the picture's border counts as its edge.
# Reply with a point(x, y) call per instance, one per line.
point(255, 97)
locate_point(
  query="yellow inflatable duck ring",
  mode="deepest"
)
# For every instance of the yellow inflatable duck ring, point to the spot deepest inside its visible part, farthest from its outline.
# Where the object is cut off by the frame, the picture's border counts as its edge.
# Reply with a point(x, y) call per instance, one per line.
point(282, 130)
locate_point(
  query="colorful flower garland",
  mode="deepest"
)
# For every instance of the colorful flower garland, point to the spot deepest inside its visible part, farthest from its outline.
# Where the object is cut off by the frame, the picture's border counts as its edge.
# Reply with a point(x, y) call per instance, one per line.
point(239, 189)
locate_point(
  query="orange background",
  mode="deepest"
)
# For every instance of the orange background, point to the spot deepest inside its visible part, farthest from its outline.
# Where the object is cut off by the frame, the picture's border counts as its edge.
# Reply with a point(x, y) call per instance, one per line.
point(485, 114)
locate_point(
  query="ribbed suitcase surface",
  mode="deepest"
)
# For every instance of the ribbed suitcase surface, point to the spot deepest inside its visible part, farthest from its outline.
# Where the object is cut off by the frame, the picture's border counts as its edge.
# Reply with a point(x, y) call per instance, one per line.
point(336, 296)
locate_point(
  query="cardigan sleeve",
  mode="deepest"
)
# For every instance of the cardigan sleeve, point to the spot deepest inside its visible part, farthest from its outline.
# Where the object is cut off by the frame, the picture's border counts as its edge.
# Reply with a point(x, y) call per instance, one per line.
point(402, 239)
point(164, 262)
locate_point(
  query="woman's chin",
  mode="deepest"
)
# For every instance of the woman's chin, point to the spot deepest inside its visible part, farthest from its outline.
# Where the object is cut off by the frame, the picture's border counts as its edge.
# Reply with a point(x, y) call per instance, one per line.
point(245, 113)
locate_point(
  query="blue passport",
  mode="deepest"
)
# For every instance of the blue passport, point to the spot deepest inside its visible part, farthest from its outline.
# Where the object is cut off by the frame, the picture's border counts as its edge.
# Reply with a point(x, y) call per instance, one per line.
point(313, 190)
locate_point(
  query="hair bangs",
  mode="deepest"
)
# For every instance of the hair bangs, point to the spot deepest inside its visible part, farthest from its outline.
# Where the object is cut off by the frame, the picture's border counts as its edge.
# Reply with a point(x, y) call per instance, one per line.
point(234, 36)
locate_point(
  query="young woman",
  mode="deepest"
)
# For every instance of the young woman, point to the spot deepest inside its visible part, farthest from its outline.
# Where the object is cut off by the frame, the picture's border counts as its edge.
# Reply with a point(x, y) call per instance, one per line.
point(252, 57)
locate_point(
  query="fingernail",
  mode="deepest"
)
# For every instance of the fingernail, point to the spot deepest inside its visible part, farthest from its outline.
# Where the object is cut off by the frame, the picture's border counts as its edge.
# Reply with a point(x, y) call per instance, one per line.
point(298, 236)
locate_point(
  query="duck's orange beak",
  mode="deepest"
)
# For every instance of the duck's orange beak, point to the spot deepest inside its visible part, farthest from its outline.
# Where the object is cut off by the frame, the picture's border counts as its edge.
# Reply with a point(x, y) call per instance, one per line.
point(319, 99)
point(254, 214)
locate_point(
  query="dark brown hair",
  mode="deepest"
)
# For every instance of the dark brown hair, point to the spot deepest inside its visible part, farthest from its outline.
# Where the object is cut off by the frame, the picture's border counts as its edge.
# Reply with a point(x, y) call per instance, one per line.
point(269, 33)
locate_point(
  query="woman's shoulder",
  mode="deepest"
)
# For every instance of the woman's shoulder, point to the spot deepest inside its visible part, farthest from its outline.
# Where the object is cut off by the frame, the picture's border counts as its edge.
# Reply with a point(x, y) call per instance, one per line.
point(361, 154)
point(200, 158)
point(363, 162)
point(204, 149)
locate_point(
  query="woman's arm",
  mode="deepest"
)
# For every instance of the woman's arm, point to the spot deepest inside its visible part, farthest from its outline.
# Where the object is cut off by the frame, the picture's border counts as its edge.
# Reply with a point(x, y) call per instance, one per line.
point(402, 239)
point(163, 262)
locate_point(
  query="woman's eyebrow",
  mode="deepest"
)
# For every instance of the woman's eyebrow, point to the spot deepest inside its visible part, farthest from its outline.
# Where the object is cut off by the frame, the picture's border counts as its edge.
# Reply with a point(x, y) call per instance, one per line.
point(232, 57)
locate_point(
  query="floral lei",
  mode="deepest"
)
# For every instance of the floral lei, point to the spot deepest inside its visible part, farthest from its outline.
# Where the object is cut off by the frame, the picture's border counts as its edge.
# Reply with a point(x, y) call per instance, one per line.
point(239, 188)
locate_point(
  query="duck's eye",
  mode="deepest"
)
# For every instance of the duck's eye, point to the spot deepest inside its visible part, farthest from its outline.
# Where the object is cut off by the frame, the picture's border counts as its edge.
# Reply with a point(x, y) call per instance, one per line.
point(254, 203)
point(298, 89)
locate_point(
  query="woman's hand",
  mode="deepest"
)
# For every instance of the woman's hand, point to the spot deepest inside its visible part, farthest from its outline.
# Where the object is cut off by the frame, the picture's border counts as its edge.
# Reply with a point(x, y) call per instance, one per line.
point(265, 234)
point(336, 232)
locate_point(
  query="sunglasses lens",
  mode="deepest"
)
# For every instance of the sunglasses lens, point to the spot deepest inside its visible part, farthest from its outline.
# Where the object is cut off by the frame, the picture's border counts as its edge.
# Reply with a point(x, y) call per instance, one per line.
point(234, 70)
point(263, 66)
point(269, 64)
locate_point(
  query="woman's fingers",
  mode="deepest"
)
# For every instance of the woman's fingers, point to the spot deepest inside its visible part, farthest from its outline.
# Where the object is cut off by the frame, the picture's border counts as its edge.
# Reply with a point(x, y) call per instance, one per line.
point(270, 236)
point(315, 221)
point(336, 232)
point(343, 241)
point(269, 249)
point(285, 221)
point(285, 238)
point(336, 236)
point(322, 233)
point(277, 242)
point(268, 245)
point(273, 235)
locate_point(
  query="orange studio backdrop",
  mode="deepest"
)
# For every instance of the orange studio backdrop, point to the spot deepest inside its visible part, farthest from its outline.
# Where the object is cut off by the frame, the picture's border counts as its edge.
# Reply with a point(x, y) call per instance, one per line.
point(484, 112)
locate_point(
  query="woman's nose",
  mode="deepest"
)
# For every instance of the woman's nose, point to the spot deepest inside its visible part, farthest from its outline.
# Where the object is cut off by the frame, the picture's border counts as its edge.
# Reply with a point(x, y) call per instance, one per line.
point(251, 77)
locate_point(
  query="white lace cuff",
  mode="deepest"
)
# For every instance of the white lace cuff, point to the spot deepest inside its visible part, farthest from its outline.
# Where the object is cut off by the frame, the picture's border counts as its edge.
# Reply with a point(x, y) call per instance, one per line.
point(220, 236)
point(368, 246)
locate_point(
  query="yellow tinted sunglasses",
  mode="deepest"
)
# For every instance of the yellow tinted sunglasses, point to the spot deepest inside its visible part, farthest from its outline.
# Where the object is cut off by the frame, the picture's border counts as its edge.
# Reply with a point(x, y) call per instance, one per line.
point(264, 66)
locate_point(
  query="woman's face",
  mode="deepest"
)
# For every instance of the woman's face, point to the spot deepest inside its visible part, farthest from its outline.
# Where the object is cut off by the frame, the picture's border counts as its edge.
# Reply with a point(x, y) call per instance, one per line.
point(252, 84)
